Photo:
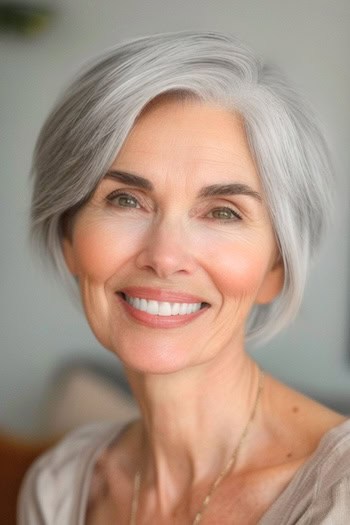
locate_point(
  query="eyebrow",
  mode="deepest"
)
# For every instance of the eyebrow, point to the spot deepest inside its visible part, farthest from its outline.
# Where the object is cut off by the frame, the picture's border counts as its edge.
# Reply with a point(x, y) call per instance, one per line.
point(207, 191)
point(131, 179)
point(229, 189)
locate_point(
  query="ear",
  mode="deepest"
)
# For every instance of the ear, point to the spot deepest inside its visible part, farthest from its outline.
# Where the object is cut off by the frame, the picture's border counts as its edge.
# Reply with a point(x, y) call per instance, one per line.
point(272, 284)
point(69, 257)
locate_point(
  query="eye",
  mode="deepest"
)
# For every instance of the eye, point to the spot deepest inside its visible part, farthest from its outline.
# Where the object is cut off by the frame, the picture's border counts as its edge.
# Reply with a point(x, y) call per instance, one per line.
point(123, 200)
point(225, 214)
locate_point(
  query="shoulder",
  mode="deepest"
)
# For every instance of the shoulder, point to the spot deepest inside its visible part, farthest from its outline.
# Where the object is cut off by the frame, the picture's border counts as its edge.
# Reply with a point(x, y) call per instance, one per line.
point(331, 494)
point(51, 485)
point(320, 490)
point(334, 449)
point(333, 474)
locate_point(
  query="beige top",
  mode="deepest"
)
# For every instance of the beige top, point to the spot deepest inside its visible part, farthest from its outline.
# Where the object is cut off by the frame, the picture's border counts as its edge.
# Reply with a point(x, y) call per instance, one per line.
point(56, 488)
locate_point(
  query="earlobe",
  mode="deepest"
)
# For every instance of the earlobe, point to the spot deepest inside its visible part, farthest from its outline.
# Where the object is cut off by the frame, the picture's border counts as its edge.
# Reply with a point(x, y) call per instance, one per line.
point(272, 285)
point(68, 254)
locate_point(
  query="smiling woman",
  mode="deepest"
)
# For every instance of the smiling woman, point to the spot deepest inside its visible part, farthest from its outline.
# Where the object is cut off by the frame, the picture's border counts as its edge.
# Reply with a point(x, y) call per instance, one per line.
point(175, 233)
point(185, 187)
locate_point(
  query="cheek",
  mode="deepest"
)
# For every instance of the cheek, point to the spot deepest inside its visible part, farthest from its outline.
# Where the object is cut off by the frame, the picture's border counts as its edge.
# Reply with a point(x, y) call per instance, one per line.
point(238, 268)
point(94, 255)
point(101, 249)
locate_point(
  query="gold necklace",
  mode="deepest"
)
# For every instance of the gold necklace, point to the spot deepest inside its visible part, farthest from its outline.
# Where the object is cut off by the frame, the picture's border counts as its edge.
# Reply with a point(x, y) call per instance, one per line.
point(223, 473)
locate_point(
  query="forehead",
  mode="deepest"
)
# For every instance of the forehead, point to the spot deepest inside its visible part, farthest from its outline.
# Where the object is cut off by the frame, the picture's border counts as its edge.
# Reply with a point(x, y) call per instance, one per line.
point(189, 137)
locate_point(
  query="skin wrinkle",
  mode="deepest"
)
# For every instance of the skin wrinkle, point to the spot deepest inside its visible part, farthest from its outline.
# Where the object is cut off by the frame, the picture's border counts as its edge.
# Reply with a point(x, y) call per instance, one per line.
point(250, 209)
point(132, 179)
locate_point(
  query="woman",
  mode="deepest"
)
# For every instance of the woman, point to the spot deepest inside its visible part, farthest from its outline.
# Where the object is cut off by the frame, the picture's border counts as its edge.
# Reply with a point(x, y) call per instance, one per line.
point(185, 187)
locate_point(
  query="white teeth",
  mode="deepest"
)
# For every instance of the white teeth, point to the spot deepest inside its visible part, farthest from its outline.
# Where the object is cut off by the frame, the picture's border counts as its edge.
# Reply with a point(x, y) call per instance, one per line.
point(183, 309)
point(175, 308)
point(137, 303)
point(143, 305)
point(152, 307)
point(162, 308)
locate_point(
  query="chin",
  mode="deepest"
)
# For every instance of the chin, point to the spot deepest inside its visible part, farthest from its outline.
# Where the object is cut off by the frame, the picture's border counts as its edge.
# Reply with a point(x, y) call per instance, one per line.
point(153, 359)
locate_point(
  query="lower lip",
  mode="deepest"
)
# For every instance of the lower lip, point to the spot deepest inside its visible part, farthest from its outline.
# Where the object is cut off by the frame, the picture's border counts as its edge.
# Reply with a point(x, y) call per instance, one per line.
point(160, 321)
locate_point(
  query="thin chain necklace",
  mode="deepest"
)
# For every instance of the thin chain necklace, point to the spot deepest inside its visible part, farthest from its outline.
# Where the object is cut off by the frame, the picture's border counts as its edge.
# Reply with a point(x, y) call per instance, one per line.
point(223, 473)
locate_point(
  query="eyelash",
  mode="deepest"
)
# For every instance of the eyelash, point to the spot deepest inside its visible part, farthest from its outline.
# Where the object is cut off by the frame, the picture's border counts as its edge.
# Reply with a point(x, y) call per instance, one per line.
point(117, 193)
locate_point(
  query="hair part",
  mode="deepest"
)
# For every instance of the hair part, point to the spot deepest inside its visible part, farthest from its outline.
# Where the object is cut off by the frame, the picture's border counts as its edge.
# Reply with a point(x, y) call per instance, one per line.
point(89, 124)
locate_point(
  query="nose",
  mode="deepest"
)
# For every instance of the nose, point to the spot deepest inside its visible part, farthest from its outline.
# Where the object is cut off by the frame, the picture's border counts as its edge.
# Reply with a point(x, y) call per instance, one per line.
point(167, 250)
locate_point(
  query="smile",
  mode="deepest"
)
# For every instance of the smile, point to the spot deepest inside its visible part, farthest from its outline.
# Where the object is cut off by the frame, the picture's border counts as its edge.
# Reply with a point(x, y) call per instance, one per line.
point(162, 308)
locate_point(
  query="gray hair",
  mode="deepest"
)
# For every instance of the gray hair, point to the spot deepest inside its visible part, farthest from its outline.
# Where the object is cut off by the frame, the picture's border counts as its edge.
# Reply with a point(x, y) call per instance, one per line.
point(87, 127)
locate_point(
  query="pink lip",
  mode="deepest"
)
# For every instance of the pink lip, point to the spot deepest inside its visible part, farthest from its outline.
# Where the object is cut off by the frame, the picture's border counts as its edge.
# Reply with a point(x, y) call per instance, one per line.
point(158, 321)
point(161, 295)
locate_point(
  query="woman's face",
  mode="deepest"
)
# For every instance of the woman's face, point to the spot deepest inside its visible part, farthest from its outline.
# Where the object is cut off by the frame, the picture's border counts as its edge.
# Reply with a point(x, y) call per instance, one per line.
point(179, 220)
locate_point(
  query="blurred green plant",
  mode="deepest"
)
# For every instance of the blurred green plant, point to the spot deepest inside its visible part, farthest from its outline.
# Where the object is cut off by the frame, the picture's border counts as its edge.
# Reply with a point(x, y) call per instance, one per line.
point(24, 19)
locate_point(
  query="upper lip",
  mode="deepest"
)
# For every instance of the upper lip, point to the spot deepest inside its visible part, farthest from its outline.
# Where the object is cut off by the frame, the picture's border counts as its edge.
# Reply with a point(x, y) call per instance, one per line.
point(159, 294)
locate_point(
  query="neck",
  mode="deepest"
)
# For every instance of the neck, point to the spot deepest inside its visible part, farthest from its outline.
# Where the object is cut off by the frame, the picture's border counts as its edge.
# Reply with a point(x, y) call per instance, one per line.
point(192, 420)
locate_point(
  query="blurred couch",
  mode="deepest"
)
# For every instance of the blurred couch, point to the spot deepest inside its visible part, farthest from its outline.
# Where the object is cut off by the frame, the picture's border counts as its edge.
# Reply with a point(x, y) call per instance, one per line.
point(81, 391)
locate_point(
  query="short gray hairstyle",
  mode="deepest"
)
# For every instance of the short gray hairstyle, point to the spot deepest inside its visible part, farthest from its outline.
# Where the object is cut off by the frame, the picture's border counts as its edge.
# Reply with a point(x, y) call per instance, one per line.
point(87, 127)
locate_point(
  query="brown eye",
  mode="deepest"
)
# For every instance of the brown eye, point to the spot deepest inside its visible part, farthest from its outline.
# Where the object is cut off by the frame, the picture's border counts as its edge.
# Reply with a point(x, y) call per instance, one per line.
point(225, 214)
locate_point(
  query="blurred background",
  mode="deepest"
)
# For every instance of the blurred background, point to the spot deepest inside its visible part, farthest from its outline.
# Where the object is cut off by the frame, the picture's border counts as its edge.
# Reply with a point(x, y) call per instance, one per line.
point(41, 328)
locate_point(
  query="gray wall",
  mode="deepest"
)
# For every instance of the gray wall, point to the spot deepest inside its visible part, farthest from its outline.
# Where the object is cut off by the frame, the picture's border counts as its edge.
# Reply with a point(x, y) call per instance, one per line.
point(39, 324)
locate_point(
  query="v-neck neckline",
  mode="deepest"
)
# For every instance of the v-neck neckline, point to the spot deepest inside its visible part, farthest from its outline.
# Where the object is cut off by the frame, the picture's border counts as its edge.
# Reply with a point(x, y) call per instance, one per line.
point(113, 433)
